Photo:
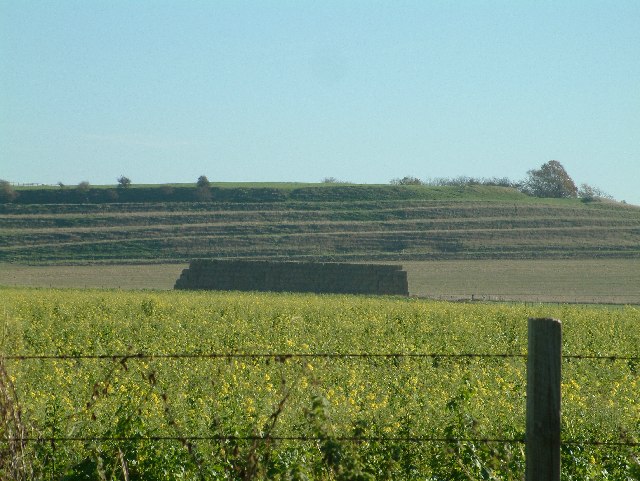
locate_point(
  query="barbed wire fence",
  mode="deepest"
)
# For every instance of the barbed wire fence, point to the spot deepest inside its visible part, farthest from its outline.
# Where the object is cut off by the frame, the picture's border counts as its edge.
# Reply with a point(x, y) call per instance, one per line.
point(122, 359)
point(16, 437)
point(280, 357)
point(539, 298)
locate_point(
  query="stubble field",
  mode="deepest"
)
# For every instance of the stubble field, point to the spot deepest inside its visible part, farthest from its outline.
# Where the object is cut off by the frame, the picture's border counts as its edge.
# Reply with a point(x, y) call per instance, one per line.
point(603, 281)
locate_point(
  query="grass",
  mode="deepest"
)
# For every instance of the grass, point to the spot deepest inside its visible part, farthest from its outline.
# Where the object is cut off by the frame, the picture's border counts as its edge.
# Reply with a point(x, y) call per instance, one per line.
point(613, 281)
point(142, 400)
point(229, 185)
point(256, 192)
point(320, 227)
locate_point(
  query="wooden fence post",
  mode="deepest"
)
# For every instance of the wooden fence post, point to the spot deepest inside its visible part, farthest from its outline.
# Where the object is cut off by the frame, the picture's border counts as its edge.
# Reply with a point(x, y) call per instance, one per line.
point(543, 400)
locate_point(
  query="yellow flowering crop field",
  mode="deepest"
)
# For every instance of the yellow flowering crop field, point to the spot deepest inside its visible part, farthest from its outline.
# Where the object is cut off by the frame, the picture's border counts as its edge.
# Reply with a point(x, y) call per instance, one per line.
point(214, 385)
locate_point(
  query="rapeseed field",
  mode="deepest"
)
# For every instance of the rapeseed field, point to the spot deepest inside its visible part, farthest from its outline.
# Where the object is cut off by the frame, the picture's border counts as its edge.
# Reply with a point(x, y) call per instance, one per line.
point(214, 385)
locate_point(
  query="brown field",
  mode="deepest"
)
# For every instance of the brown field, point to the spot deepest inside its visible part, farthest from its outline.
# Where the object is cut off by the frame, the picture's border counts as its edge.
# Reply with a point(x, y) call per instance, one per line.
point(157, 276)
point(585, 281)
point(614, 281)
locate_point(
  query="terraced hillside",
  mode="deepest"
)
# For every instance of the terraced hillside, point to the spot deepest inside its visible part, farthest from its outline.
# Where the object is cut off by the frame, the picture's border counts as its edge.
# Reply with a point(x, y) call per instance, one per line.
point(323, 224)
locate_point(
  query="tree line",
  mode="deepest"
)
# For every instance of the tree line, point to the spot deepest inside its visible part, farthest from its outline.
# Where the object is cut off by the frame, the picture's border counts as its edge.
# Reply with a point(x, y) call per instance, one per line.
point(551, 180)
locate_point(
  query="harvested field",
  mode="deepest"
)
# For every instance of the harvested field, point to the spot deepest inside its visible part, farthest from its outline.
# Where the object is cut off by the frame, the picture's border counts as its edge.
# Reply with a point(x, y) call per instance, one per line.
point(614, 281)
point(589, 281)
point(156, 277)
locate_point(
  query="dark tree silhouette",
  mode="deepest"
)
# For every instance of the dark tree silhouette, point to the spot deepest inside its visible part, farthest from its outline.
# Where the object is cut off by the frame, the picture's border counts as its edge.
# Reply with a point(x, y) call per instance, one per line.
point(83, 187)
point(123, 182)
point(203, 182)
point(551, 180)
point(203, 191)
point(7, 192)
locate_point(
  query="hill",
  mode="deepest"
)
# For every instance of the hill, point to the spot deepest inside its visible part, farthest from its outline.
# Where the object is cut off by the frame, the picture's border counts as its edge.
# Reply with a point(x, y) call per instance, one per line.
point(309, 221)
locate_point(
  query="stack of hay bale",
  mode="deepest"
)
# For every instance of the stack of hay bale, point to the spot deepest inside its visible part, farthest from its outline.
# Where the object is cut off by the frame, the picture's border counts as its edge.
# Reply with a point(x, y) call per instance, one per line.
point(324, 277)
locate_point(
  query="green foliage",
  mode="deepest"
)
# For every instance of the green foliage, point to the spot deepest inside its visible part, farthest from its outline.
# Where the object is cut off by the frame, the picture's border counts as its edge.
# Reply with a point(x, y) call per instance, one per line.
point(407, 180)
point(589, 193)
point(326, 223)
point(333, 180)
point(551, 180)
point(272, 192)
point(341, 461)
point(139, 403)
point(465, 181)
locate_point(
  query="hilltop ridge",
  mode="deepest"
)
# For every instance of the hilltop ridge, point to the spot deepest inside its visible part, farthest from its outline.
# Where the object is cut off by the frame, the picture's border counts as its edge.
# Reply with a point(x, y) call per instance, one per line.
point(254, 192)
point(311, 222)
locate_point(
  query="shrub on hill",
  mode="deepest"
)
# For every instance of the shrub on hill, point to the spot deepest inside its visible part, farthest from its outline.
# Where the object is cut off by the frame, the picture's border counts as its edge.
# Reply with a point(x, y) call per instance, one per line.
point(203, 182)
point(7, 192)
point(589, 193)
point(407, 180)
point(464, 181)
point(203, 189)
point(83, 187)
point(551, 180)
point(333, 180)
point(123, 182)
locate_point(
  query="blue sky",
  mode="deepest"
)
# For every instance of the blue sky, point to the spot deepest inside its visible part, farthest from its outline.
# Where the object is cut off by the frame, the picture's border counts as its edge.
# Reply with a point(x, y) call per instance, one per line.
point(364, 91)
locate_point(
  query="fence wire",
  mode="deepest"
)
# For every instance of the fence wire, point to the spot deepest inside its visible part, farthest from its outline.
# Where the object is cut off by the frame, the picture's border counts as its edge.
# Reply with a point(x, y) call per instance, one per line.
point(223, 438)
point(354, 439)
point(276, 356)
point(283, 357)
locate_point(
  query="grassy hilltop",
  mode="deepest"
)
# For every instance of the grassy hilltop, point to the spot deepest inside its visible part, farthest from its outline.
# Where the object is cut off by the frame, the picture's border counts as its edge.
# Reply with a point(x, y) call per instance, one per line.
point(309, 222)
